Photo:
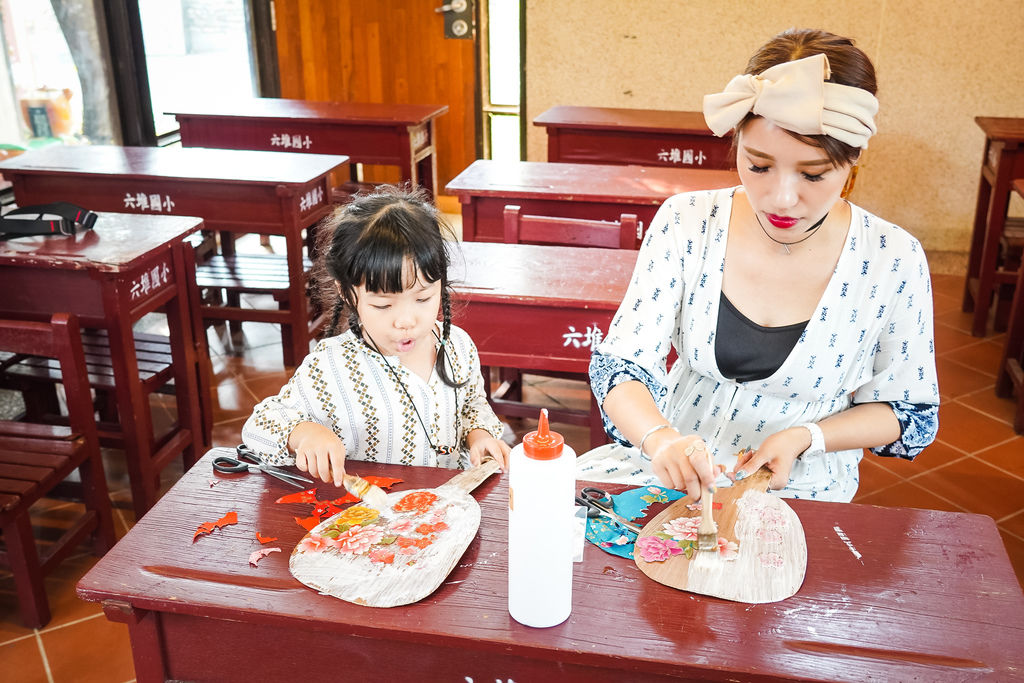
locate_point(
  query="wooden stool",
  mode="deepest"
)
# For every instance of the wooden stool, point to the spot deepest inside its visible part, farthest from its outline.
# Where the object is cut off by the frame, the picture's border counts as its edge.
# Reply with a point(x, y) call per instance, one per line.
point(1002, 161)
point(1011, 374)
point(571, 232)
point(34, 459)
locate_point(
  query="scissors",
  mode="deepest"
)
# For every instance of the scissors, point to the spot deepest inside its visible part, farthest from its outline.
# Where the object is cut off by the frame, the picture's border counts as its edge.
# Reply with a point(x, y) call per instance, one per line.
point(246, 460)
point(599, 504)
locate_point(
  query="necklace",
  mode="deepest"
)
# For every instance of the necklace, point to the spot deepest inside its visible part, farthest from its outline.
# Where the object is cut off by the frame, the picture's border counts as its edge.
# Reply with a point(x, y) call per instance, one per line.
point(440, 450)
point(785, 245)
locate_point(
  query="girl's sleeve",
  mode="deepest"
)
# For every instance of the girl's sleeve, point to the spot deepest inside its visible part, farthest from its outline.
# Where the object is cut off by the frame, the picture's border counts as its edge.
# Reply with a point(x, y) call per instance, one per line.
point(273, 419)
point(476, 411)
point(903, 363)
point(640, 337)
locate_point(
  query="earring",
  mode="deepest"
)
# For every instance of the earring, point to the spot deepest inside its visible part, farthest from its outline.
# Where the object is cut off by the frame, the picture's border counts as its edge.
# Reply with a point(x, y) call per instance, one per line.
point(851, 180)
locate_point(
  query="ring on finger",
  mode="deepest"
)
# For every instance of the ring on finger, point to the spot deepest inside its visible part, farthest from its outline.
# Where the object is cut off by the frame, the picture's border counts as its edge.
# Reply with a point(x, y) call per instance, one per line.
point(695, 448)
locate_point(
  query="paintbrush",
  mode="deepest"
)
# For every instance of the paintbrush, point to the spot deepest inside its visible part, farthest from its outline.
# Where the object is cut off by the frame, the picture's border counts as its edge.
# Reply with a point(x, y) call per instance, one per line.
point(365, 491)
point(707, 534)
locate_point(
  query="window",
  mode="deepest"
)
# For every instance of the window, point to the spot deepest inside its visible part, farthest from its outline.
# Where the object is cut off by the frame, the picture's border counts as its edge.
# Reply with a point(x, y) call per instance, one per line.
point(196, 50)
point(502, 85)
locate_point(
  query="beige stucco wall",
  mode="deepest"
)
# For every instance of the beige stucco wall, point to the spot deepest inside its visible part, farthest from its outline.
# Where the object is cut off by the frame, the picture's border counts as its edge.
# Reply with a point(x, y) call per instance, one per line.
point(940, 63)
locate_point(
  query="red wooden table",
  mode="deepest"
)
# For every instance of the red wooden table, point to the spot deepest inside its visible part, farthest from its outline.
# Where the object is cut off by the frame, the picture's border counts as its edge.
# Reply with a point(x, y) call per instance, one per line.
point(890, 594)
point(594, 191)
point(400, 135)
point(534, 307)
point(269, 193)
point(111, 276)
point(647, 137)
point(1002, 161)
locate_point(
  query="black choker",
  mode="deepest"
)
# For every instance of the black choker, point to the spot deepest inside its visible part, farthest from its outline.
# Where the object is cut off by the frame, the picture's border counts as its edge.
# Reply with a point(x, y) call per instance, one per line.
point(811, 230)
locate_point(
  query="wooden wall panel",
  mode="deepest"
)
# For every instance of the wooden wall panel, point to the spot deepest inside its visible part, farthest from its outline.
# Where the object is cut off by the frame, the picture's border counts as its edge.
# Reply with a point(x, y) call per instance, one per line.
point(381, 51)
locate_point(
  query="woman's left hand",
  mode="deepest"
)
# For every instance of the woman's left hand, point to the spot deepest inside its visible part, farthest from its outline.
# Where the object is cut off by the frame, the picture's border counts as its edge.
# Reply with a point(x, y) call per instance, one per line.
point(778, 453)
point(481, 442)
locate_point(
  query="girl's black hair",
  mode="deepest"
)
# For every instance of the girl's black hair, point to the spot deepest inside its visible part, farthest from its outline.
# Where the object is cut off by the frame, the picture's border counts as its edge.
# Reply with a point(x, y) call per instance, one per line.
point(367, 242)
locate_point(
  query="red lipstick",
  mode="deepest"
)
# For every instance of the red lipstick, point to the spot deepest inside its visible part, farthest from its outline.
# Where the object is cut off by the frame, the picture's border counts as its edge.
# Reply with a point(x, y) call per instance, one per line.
point(781, 221)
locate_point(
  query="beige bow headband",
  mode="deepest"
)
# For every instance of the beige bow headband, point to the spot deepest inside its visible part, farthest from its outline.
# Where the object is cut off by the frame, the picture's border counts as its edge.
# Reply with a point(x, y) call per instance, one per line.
point(795, 96)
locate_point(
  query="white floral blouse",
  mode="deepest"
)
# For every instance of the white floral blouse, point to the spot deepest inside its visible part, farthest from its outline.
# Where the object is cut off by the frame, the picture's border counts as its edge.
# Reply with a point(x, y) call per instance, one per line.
point(869, 340)
point(346, 386)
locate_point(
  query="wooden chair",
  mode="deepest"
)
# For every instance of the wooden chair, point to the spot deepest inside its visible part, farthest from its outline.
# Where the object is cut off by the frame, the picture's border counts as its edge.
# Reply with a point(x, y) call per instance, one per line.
point(571, 232)
point(35, 459)
point(1011, 369)
point(576, 232)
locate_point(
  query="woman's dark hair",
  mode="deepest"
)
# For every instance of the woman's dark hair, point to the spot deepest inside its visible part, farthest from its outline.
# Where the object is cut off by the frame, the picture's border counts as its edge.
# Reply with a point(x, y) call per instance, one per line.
point(849, 66)
point(369, 241)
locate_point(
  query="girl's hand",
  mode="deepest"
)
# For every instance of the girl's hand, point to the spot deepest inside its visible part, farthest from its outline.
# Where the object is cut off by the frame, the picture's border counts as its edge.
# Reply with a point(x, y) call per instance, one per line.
point(682, 462)
point(778, 453)
point(480, 442)
point(318, 451)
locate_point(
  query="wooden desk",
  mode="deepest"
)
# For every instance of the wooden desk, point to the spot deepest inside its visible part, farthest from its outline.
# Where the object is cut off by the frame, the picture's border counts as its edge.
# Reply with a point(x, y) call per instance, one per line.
point(269, 193)
point(647, 137)
point(535, 307)
point(400, 135)
point(111, 276)
point(931, 597)
point(1010, 378)
point(1002, 161)
point(601, 192)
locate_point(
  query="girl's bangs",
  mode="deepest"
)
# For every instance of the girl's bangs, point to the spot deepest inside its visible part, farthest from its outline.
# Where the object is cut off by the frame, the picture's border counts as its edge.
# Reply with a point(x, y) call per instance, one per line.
point(379, 263)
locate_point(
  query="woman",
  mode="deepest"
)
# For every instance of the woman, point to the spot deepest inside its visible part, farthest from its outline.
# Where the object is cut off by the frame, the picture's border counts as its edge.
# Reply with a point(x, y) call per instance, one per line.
point(802, 323)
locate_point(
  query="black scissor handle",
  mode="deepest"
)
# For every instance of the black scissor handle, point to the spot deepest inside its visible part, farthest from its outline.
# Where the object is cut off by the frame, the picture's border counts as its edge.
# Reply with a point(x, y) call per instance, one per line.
point(596, 495)
point(228, 465)
point(592, 512)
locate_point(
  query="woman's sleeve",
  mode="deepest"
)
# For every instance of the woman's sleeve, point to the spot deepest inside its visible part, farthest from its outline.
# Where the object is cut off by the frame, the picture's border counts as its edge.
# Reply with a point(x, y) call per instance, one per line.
point(903, 362)
point(640, 337)
point(476, 411)
point(273, 419)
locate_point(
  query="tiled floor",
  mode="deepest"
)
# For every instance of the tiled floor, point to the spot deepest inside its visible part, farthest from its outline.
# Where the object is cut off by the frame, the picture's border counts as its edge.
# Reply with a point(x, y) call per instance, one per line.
point(977, 465)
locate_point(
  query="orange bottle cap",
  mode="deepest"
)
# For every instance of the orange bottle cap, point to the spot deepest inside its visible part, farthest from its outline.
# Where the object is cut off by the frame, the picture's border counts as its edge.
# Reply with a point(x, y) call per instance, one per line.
point(543, 444)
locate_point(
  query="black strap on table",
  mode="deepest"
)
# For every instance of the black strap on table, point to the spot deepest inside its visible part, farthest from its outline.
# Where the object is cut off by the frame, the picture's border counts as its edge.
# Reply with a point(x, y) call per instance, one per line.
point(56, 218)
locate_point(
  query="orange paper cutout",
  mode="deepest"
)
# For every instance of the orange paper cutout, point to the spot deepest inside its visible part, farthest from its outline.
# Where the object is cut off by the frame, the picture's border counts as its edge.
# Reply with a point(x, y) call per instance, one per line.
point(307, 496)
point(307, 523)
point(265, 539)
point(258, 555)
point(208, 527)
point(419, 501)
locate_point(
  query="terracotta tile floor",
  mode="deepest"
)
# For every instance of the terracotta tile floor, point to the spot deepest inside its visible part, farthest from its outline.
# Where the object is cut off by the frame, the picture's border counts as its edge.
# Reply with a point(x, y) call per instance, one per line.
point(977, 465)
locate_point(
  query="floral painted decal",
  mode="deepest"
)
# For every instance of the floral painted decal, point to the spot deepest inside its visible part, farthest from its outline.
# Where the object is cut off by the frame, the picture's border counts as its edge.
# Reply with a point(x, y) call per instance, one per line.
point(361, 530)
point(679, 536)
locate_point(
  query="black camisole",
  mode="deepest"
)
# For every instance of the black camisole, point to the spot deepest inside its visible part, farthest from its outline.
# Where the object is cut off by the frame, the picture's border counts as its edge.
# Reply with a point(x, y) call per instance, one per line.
point(746, 351)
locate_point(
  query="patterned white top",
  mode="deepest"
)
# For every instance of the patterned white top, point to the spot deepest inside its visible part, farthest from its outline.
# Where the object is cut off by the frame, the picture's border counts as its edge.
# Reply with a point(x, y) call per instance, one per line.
point(346, 386)
point(870, 339)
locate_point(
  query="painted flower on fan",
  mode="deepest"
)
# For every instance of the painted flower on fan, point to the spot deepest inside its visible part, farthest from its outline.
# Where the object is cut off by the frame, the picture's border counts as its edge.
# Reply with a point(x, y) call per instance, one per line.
point(427, 529)
point(683, 528)
point(417, 501)
point(401, 526)
point(357, 514)
point(654, 549)
point(357, 540)
point(728, 550)
point(382, 555)
point(313, 544)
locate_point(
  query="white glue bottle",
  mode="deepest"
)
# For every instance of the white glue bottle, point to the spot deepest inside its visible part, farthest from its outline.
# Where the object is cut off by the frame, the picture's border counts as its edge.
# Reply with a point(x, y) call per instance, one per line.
point(541, 485)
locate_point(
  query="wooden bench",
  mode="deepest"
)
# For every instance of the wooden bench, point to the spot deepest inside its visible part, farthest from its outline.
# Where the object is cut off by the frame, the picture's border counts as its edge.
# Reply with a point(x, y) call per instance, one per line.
point(34, 459)
point(36, 378)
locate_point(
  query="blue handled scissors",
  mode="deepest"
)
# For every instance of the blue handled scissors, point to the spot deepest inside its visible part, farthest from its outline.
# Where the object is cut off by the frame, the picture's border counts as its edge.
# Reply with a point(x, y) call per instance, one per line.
point(246, 460)
point(599, 504)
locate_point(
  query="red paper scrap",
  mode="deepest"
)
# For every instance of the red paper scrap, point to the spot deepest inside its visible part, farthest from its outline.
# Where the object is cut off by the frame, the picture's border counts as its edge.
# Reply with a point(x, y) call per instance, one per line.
point(265, 539)
point(307, 496)
point(213, 482)
point(308, 523)
point(208, 527)
point(258, 555)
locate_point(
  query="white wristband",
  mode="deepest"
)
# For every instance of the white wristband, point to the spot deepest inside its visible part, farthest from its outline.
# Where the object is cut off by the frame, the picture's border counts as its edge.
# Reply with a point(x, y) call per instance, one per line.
point(817, 446)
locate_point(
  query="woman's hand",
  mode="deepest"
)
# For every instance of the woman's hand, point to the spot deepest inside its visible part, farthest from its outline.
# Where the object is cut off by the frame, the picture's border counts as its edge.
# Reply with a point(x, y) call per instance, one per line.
point(778, 453)
point(481, 442)
point(683, 462)
point(318, 451)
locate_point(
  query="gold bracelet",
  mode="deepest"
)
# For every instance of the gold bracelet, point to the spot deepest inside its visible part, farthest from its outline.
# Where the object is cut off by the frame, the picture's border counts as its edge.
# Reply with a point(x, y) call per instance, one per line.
point(647, 434)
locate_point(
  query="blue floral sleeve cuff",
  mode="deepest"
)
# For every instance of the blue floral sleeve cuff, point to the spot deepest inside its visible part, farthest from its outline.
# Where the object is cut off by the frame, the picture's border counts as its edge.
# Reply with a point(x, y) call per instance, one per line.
point(919, 423)
point(606, 373)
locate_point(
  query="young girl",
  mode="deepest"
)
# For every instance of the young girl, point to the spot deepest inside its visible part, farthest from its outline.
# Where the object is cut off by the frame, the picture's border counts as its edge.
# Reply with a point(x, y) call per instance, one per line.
point(399, 385)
